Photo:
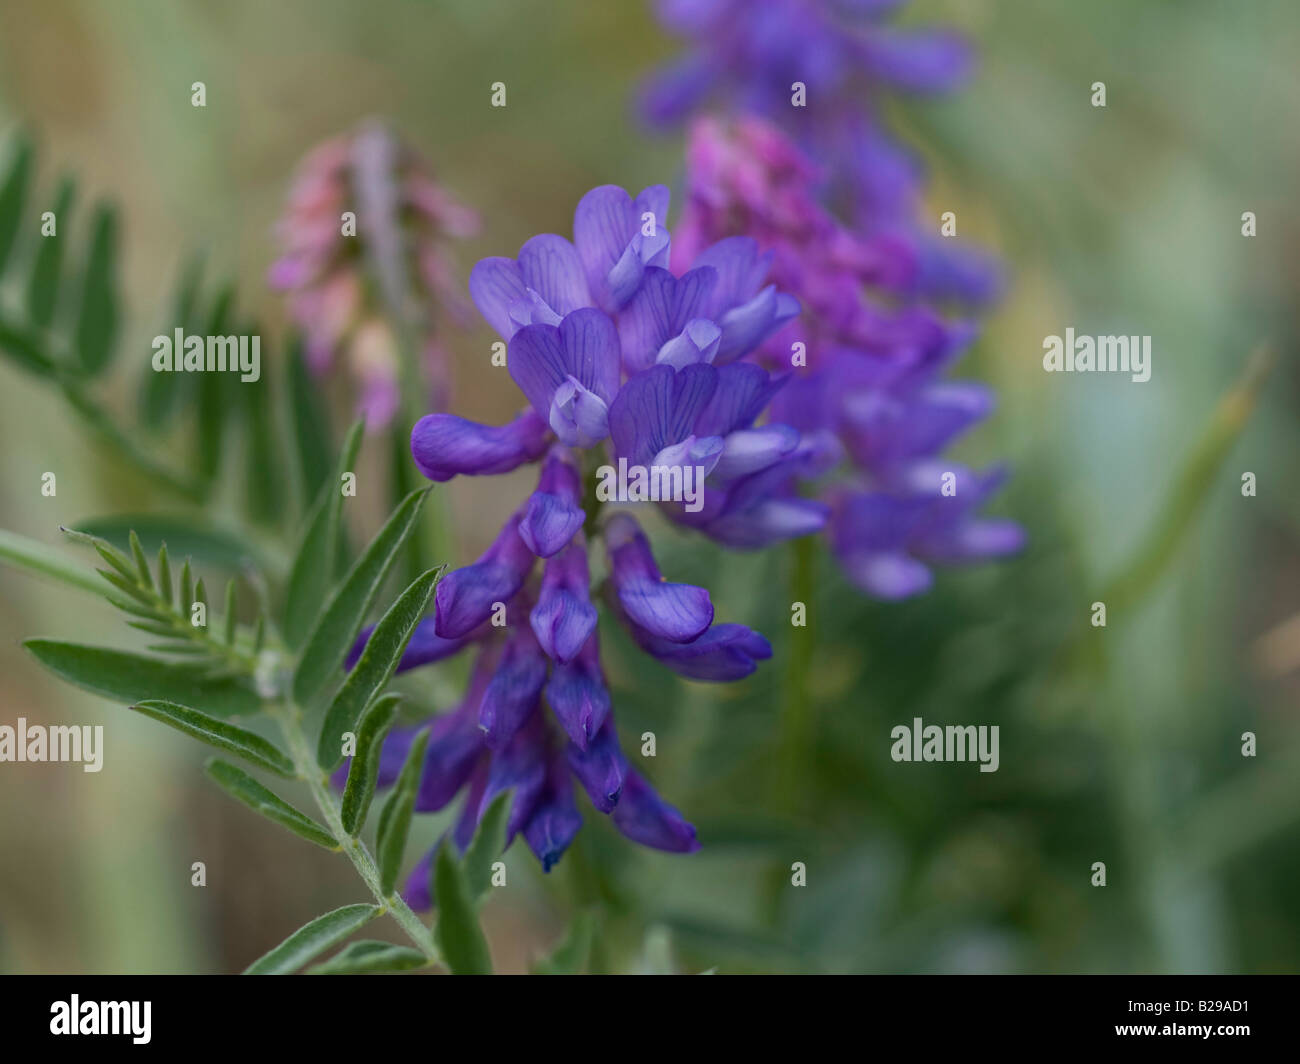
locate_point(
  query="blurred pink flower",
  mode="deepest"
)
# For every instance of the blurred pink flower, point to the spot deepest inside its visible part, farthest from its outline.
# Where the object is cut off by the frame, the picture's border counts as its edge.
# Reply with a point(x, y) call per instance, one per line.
point(366, 264)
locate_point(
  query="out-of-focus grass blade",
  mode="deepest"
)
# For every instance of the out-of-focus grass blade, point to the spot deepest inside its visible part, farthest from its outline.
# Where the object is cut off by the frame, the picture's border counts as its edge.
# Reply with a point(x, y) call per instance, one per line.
point(1190, 491)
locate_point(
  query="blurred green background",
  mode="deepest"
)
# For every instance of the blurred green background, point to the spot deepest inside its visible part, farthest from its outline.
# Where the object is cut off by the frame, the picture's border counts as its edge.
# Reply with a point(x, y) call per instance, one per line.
point(1119, 745)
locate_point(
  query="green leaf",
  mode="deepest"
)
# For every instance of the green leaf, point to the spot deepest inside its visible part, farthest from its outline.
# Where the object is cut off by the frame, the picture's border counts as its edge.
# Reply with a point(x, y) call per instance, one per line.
point(43, 285)
point(364, 771)
point(263, 475)
point(159, 391)
point(312, 940)
point(214, 398)
point(184, 535)
point(310, 424)
point(97, 319)
point(13, 194)
point(122, 676)
point(313, 568)
point(395, 817)
point(458, 934)
point(228, 632)
point(333, 635)
point(164, 575)
point(487, 846)
point(573, 954)
point(36, 557)
point(383, 651)
point(241, 786)
point(369, 957)
point(238, 741)
point(145, 579)
point(25, 348)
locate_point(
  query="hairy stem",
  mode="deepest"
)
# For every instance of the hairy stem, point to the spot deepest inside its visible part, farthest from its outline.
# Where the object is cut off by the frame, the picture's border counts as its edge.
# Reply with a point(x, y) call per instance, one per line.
point(290, 720)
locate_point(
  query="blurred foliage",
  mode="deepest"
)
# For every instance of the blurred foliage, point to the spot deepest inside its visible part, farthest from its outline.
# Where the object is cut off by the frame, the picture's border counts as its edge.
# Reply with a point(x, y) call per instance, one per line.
point(1119, 744)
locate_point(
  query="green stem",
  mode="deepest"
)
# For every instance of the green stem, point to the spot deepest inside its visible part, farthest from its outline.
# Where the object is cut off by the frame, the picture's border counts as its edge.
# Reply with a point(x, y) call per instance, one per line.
point(796, 723)
point(317, 781)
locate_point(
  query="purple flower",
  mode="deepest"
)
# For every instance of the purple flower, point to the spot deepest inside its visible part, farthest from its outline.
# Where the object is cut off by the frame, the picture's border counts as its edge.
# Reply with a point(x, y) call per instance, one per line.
point(625, 365)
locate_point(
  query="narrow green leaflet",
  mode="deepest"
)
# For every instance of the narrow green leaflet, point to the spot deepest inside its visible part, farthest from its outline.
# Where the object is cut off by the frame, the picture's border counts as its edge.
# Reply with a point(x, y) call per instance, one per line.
point(488, 844)
point(123, 676)
point(573, 954)
point(214, 396)
point(311, 433)
point(395, 817)
point(313, 939)
point(313, 568)
point(238, 741)
point(43, 285)
point(160, 391)
point(367, 678)
point(202, 540)
point(264, 477)
point(24, 347)
point(370, 956)
point(13, 193)
point(97, 318)
point(334, 633)
point(363, 773)
point(36, 557)
point(458, 933)
point(240, 785)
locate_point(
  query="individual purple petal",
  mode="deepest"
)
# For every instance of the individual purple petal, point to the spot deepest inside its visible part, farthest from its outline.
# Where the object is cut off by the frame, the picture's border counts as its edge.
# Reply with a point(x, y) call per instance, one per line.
point(554, 511)
point(455, 747)
point(741, 270)
point(514, 689)
point(496, 284)
point(677, 612)
point(658, 408)
point(601, 767)
point(556, 820)
point(699, 454)
point(564, 617)
point(584, 346)
point(577, 694)
point(465, 598)
point(743, 392)
point(578, 416)
point(550, 266)
point(612, 241)
point(660, 310)
point(521, 767)
point(750, 450)
point(698, 342)
point(723, 654)
point(444, 446)
point(646, 818)
point(748, 325)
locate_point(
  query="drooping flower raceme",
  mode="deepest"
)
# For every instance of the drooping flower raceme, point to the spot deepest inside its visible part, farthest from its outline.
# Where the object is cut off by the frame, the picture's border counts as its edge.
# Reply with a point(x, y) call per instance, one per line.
point(366, 255)
point(874, 362)
point(625, 364)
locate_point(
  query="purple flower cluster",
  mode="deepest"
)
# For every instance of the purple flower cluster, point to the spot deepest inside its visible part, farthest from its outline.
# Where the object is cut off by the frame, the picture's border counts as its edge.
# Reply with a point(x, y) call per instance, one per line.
point(747, 57)
point(870, 349)
point(622, 360)
point(874, 363)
